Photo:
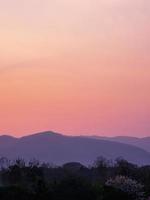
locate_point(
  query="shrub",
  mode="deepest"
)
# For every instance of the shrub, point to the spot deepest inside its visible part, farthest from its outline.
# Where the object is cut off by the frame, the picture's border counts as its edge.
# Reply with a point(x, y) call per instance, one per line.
point(127, 185)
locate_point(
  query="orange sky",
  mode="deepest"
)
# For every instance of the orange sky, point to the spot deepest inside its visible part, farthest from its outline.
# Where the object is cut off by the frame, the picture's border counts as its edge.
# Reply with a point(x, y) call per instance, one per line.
point(76, 67)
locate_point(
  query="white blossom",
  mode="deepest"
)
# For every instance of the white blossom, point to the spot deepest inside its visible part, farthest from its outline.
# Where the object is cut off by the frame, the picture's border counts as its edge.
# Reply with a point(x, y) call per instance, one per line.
point(127, 185)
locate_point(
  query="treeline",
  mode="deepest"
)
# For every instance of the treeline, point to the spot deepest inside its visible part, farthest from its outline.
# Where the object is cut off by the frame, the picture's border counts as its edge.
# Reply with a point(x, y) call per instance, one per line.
point(104, 180)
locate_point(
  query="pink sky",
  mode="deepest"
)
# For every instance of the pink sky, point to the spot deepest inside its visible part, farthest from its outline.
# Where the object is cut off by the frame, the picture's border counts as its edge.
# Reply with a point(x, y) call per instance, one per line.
point(76, 67)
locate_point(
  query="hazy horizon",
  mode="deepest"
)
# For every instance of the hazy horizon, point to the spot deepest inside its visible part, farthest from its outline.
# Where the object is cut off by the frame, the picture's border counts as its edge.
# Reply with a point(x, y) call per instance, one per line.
point(68, 134)
point(75, 67)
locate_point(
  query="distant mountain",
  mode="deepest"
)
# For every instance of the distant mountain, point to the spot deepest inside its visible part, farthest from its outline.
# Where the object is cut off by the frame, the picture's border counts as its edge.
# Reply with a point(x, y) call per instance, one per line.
point(143, 143)
point(7, 141)
point(59, 149)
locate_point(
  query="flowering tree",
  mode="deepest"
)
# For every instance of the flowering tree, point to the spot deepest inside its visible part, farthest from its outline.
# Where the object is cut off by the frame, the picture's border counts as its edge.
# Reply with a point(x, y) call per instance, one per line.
point(127, 185)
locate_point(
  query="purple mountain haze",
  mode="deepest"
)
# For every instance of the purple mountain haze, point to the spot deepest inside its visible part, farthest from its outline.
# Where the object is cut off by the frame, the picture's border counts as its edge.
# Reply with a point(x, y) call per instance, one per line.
point(59, 149)
point(143, 143)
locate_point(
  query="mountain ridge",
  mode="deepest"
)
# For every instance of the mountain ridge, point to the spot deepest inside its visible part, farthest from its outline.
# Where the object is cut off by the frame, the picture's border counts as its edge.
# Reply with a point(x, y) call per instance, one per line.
point(56, 148)
point(143, 143)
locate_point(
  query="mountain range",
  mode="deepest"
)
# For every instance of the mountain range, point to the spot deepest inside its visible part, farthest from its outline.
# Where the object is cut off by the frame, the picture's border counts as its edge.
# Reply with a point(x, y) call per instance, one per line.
point(143, 143)
point(59, 149)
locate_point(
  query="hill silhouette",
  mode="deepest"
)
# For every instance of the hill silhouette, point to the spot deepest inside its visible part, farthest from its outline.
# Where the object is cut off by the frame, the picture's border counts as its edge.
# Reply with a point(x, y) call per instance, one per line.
point(59, 149)
point(143, 143)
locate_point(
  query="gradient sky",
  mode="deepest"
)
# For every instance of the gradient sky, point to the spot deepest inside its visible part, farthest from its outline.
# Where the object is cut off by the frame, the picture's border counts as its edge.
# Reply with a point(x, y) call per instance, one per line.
point(76, 67)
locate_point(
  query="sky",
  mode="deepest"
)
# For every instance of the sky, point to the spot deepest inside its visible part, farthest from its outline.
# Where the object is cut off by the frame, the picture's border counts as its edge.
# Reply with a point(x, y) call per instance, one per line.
point(75, 67)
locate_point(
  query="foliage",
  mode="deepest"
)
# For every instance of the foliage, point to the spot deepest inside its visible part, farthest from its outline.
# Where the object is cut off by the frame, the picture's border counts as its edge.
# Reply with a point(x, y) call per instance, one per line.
point(104, 180)
point(127, 185)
